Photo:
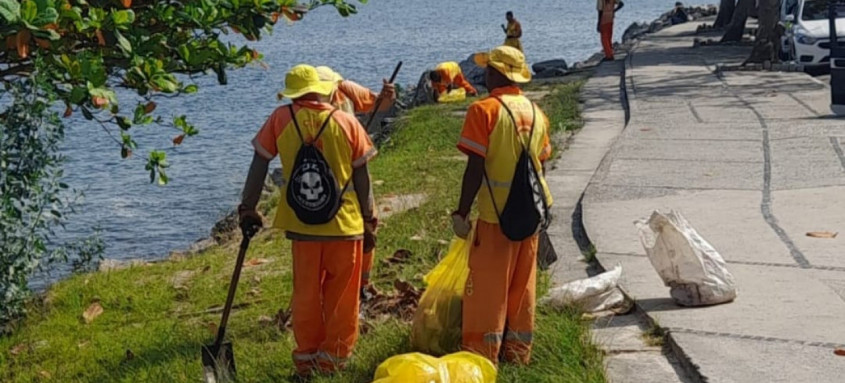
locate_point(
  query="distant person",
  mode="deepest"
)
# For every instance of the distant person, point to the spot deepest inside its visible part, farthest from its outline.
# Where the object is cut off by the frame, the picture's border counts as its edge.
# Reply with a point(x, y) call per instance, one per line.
point(679, 14)
point(354, 98)
point(607, 10)
point(330, 227)
point(447, 76)
point(513, 32)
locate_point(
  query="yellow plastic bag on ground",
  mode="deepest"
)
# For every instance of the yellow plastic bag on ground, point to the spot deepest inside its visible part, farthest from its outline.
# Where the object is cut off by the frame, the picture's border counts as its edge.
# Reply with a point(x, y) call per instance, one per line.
point(460, 367)
point(436, 329)
point(454, 95)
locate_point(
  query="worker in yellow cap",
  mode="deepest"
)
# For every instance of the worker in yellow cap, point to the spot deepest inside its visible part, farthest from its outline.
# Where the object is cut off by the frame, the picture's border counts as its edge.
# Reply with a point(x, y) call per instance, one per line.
point(513, 32)
point(447, 76)
point(506, 138)
point(354, 98)
point(325, 211)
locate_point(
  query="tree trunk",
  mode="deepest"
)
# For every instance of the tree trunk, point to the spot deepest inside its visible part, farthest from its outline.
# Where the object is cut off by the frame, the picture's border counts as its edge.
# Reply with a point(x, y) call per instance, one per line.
point(768, 33)
point(726, 12)
point(737, 26)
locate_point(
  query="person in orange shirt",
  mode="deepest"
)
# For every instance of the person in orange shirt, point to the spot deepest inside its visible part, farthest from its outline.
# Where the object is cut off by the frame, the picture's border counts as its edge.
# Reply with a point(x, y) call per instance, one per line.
point(499, 296)
point(607, 11)
point(447, 76)
point(326, 257)
point(354, 98)
point(513, 32)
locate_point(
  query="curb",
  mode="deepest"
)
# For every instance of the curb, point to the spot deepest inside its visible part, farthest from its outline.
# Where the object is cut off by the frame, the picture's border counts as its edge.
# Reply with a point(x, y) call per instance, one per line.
point(579, 233)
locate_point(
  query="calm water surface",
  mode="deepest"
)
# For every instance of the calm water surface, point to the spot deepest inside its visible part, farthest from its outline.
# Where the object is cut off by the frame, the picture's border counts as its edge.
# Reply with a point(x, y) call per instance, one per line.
point(142, 220)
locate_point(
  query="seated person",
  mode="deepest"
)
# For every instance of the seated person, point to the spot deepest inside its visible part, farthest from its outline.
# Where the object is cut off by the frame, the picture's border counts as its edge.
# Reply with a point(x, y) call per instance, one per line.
point(448, 76)
point(679, 15)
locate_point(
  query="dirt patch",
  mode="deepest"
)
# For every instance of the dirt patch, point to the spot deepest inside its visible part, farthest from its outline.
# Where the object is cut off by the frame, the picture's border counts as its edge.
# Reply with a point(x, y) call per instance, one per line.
point(394, 204)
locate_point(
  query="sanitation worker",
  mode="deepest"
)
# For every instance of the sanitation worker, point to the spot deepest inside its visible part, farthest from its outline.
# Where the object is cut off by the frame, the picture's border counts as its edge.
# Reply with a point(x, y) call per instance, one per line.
point(607, 11)
point(513, 32)
point(499, 296)
point(447, 76)
point(354, 98)
point(324, 154)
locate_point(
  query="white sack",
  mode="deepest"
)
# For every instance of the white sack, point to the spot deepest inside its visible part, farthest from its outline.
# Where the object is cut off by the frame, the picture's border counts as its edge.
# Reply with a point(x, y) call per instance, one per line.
point(592, 294)
point(685, 261)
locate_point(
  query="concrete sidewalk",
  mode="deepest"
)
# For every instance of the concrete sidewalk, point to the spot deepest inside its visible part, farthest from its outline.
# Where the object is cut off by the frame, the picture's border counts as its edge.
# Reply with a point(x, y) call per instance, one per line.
point(754, 163)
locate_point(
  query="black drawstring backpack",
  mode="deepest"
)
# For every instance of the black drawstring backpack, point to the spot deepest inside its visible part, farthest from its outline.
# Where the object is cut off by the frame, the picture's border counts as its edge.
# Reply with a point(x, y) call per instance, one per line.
point(313, 191)
point(526, 209)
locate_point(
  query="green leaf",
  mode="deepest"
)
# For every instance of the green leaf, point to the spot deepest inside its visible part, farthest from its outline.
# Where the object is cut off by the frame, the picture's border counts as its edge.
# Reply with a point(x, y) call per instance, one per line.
point(124, 123)
point(123, 18)
point(29, 10)
point(123, 43)
point(46, 16)
point(78, 94)
point(191, 89)
point(10, 10)
point(48, 34)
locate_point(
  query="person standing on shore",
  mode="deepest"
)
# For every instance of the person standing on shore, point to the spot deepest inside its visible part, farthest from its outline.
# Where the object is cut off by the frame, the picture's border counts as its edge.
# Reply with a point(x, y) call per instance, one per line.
point(324, 154)
point(607, 11)
point(503, 135)
point(447, 76)
point(354, 98)
point(513, 32)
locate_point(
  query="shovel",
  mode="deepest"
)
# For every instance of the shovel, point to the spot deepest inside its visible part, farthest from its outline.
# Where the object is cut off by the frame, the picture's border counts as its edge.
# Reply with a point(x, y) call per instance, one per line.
point(218, 360)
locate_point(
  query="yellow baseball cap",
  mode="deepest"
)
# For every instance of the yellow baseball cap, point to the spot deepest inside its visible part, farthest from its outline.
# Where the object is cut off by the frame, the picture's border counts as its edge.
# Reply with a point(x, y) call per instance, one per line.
point(303, 79)
point(328, 74)
point(507, 60)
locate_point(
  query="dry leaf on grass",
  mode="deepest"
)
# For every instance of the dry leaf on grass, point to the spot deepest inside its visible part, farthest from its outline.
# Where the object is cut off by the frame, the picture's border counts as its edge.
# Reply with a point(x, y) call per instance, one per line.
point(256, 262)
point(417, 238)
point(254, 292)
point(822, 234)
point(839, 351)
point(92, 312)
point(378, 182)
point(400, 256)
point(83, 344)
point(44, 374)
point(18, 349)
point(212, 327)
point(129, 354)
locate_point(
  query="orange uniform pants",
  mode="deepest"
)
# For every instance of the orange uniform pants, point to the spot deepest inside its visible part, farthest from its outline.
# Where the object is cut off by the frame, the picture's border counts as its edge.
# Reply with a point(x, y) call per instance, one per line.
point(499, 299)
point(606, 30)
point(366, 267)
point(326, 283)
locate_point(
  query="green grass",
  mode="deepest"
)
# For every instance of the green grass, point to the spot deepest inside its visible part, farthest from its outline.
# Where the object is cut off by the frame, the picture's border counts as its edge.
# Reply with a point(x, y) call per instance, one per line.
point(151, 330)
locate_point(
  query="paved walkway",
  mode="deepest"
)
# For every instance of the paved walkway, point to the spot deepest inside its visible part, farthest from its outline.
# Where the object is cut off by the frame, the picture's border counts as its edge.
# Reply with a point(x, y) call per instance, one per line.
point(754, 163)
point(628, 358)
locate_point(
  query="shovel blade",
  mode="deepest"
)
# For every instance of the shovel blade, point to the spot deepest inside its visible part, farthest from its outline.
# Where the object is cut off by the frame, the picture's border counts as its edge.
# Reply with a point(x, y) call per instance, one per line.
point(218, 363)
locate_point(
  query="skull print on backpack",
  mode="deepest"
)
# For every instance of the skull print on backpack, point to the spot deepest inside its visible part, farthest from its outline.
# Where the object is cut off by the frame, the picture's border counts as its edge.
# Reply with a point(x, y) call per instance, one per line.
point(313, 194)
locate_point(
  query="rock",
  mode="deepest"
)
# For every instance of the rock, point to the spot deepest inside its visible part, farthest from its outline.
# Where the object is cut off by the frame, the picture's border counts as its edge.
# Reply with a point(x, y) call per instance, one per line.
point(107, 265)
point(224, 228)
point(551, 72)
point(474, 73)
point(543, 66)
point(277, 177)
point(634, 31)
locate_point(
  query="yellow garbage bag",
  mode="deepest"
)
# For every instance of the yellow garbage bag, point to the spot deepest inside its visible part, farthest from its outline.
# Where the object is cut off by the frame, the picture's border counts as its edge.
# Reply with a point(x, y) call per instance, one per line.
point(411, 368)
point(436, 329)
point(460, 367)
point(454, 95)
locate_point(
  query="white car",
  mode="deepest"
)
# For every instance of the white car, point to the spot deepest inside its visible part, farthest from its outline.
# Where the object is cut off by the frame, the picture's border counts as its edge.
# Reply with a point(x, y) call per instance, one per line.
point(809, 32)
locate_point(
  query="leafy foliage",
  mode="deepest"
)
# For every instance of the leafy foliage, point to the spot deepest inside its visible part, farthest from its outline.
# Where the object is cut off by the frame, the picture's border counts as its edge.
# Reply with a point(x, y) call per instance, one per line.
point(33, 200)
point(88, 48)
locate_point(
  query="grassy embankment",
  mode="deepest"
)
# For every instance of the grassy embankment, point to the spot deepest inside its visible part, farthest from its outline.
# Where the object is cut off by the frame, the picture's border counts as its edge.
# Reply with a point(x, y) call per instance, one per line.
point(153, 323)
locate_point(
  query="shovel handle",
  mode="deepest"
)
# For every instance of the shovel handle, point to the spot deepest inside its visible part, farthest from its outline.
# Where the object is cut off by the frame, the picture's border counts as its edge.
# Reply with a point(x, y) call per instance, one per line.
point(233, 286)
point(380, 98)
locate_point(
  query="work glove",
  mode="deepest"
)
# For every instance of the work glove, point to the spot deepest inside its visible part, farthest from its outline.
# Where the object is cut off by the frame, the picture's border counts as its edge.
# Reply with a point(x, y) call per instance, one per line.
point(370, 228)
point(249, 221)
point(461, 225)
point(388, 91)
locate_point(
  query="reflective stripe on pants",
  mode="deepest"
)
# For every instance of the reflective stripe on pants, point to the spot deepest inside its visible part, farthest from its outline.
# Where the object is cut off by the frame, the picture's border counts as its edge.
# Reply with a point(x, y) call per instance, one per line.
point(499, 299)
point(366, 266)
